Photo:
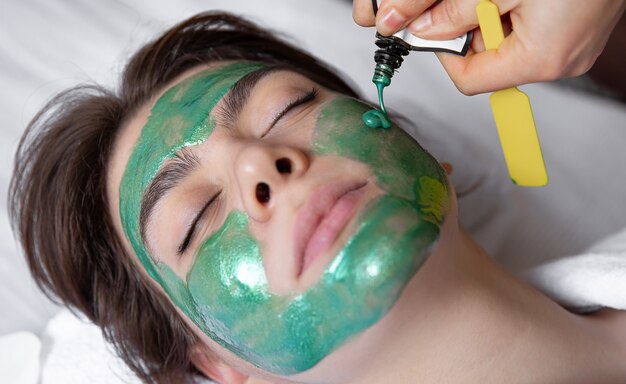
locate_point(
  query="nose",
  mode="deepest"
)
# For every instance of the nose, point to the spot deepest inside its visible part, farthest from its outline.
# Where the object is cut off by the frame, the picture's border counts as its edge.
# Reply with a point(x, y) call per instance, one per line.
point(264, 172)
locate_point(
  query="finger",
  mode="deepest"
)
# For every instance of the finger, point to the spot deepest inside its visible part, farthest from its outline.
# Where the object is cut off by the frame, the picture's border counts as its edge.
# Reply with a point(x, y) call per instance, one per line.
point(363, 13)
point(451, 18)
point(394, 15)
point(492, 70)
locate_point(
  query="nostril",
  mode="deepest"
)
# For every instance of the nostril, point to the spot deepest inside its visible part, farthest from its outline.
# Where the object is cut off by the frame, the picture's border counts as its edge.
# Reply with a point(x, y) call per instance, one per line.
point(262, 193)
point(283, 165)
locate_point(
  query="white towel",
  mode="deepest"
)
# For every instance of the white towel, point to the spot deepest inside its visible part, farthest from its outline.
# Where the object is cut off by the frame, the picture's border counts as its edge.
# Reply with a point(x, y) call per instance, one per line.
point(587, 281)
point(19, 358)
point(74, 351)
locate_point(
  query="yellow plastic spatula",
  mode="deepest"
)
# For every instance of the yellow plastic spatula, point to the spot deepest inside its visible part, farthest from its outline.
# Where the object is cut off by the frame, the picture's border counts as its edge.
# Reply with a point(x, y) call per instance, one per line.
point(512, 113)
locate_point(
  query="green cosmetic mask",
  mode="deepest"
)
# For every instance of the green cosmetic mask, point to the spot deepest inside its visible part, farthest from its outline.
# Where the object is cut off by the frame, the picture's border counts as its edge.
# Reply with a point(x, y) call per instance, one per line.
point(226, 292)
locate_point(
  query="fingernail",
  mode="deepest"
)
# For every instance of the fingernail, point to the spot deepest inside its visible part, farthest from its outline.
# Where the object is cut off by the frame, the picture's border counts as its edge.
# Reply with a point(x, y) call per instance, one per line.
point(392, 21)
point(422, 23)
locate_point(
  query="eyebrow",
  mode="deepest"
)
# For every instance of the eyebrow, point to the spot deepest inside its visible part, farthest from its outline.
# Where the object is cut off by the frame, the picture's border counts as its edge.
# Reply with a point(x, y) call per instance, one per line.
point(184, 161)
point(227, 114)
point(168, 177)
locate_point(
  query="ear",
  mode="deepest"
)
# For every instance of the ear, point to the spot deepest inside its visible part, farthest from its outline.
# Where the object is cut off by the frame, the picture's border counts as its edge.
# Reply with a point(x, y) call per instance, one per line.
point(214, 368)
point(447, 167)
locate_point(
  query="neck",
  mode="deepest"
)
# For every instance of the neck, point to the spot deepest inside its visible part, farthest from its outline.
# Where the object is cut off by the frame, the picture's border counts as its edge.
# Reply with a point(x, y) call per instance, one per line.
point(464, 319)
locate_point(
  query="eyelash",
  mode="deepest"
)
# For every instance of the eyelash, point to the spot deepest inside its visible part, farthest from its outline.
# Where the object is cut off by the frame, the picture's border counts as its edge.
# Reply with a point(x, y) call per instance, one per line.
point(310, 96)
point(192, 228)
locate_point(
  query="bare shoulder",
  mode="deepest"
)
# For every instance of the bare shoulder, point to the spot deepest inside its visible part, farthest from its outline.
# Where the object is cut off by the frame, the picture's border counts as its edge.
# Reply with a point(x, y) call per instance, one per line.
point(614, 320)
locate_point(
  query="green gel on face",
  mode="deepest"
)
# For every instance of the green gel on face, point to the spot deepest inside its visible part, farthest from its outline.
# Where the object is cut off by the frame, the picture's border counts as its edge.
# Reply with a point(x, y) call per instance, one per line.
point(378, 118)
point(226, 293)
point(180, 118)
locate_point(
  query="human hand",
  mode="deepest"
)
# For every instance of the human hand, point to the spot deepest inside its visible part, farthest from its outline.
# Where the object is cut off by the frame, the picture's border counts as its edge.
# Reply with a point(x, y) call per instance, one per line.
point(546, 40)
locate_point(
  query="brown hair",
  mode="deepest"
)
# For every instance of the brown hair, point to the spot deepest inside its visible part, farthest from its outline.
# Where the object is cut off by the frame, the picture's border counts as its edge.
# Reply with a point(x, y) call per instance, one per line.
point(58, 204)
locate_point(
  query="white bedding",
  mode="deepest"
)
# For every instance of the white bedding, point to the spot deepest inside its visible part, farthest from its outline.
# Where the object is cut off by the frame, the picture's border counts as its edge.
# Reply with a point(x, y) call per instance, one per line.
point(48, 46)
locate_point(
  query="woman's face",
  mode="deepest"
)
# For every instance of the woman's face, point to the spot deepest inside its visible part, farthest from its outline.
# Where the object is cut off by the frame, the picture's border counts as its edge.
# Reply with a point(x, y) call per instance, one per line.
point(271, 216)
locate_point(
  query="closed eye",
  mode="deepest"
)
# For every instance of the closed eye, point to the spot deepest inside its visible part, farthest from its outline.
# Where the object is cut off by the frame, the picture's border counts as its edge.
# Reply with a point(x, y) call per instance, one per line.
point(194, 224)
point(303, 99)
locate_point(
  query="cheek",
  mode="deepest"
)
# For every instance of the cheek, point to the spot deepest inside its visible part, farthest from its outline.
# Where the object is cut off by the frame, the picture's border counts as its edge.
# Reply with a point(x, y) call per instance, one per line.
point(392, 155)
point(228, 267)
point(227, 278)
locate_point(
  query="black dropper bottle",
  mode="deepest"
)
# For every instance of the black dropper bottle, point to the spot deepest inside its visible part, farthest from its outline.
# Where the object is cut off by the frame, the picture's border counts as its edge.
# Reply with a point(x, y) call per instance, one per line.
point(390, 55)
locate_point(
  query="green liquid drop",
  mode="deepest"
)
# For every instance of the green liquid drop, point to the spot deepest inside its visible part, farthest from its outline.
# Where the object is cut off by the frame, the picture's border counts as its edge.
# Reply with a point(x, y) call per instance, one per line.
point(378, 118)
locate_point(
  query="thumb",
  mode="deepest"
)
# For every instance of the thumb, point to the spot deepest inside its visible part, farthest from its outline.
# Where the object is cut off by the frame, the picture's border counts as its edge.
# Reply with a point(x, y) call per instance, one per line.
point(450, 18)
point(508, 66)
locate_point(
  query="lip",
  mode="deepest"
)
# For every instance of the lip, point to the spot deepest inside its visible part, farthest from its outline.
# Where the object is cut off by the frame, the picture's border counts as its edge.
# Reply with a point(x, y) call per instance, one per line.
point(322, 218)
